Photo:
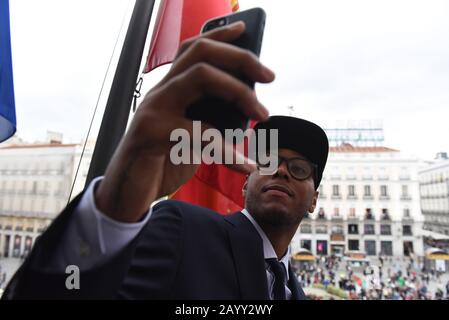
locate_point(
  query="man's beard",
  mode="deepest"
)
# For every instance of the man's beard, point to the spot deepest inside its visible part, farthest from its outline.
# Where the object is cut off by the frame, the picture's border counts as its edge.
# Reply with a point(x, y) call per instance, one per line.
point(274, 216)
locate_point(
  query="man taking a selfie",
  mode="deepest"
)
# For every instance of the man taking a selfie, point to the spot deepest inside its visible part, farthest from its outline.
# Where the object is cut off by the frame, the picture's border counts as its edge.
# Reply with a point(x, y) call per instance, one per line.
point(177, 250)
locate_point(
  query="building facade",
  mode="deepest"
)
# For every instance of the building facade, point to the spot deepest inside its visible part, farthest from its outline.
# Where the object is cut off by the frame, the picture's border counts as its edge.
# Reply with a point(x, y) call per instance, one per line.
point(369, 202)
point(434, 190)
point(35, 184)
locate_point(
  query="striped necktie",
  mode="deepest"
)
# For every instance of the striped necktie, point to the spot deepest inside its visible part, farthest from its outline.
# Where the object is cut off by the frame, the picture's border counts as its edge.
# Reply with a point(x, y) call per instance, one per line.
point(280, 278)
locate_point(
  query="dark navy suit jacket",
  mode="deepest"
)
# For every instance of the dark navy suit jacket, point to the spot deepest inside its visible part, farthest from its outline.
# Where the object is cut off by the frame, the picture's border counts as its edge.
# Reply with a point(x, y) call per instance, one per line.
point(183, 252)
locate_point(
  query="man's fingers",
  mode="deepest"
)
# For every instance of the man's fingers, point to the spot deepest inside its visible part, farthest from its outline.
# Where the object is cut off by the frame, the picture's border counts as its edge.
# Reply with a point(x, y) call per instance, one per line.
point(225, 34)
point(201, 80)
point(223, 56)
point(223, 153)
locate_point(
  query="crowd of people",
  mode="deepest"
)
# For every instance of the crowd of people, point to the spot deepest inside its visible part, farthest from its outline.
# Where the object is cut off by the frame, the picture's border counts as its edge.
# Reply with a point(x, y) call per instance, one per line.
point(384, 280)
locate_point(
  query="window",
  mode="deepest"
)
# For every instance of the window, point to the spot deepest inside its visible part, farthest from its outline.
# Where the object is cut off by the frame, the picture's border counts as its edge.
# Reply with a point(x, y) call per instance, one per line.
point(383, 191)
point(408, 248)
point(351, 190)
point(385, 214)
point(353, 228)
point(336, 212)
point(16, 247)
point(367, 190)
point(407, 230)
point(337, 229)
point(321, 247)
point(352, 212)
point(368, 214)
point(321, 214)
point(404, 190)
point(353, 245)
point(369, 229)
point(406, 213)
point(321, 229)
point(28, 245)
point(306, 244)
point(386, 248)
point(385, 229)
point(370, 247)
point(335, 190)
point(306, 228)
point(34, 189)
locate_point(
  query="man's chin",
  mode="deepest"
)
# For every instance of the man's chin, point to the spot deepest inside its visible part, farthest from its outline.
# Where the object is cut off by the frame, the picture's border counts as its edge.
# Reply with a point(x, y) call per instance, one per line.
point(275, 213)
point(275, 206)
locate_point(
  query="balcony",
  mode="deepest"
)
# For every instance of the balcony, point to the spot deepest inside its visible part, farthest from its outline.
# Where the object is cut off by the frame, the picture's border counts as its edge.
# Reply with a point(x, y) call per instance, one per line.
point(353, 218)
point(351, 197)
point(321, 216)
point(335, 177)
point(386, 217)
point(368, 197)
point(336, 217)
point(384, 197)
point(369, 216)
point(336, 197)
point(406, 198)
point(322, 196)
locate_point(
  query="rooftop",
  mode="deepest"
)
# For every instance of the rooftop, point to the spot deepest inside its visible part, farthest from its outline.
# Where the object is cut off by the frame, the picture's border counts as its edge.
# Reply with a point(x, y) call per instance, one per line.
point(38, 145)
point(346, 147)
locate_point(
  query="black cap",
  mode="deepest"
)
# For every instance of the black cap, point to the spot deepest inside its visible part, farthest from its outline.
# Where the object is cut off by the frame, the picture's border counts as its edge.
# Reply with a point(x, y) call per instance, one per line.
point(302, 136)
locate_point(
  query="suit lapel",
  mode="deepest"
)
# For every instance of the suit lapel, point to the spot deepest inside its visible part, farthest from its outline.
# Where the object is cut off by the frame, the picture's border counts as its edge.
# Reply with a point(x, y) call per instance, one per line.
point(247, 250)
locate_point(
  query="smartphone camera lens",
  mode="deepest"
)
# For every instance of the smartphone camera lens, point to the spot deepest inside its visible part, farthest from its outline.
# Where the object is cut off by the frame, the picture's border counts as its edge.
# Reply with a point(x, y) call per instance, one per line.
point(215, 24)
point(222, 22)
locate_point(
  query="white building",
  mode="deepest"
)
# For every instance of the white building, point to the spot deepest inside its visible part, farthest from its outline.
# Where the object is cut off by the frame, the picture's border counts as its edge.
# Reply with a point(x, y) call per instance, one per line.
point(434, 189)
point(35, 183)
point(369, 201)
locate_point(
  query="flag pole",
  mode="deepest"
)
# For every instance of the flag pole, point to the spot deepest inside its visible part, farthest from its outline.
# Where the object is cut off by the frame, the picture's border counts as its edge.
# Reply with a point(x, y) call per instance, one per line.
point(115, 118)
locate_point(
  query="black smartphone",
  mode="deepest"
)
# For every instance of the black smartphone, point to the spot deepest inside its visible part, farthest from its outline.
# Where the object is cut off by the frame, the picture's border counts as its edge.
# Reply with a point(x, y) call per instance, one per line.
point(217, 112)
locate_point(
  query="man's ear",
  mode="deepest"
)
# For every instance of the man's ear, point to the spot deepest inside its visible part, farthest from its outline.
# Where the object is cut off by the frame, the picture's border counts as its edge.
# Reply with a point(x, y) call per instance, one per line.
point(245, 186)
point(314, 201)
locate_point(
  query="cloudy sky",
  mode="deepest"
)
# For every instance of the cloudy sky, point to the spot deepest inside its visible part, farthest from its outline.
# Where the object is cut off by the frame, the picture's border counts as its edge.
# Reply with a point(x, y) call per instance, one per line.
point(335, 61)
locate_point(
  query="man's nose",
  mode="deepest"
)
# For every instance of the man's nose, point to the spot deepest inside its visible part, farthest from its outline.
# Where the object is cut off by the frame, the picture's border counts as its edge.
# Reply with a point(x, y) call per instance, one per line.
point(282, 171)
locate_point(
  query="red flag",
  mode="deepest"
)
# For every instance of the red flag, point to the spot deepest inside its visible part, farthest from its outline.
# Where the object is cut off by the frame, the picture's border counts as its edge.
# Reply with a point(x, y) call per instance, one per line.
point(178, 20)
point(215, 187)
point(222, 193)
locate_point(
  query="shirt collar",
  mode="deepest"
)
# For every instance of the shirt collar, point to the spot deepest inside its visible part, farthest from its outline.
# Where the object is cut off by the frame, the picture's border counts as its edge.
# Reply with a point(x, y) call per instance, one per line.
point(268, 250)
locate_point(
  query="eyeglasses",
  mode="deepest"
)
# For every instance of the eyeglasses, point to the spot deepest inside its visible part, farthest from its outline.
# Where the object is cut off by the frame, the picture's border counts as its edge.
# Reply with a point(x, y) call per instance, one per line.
point(299, 168)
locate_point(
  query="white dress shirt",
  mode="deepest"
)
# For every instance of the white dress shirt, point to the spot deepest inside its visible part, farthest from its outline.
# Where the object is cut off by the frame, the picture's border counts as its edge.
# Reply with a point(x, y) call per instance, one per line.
point(92, 238)
point(268, 252)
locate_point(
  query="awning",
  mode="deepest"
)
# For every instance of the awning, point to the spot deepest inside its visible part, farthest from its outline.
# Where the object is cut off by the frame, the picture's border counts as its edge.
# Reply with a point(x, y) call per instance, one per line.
point(436, 254)
point(303, 255)
point(434, 235)
point(438, 257)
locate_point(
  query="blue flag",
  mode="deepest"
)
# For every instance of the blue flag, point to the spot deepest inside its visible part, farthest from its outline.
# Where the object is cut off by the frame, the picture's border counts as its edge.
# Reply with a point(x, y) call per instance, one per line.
point(7, 104)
